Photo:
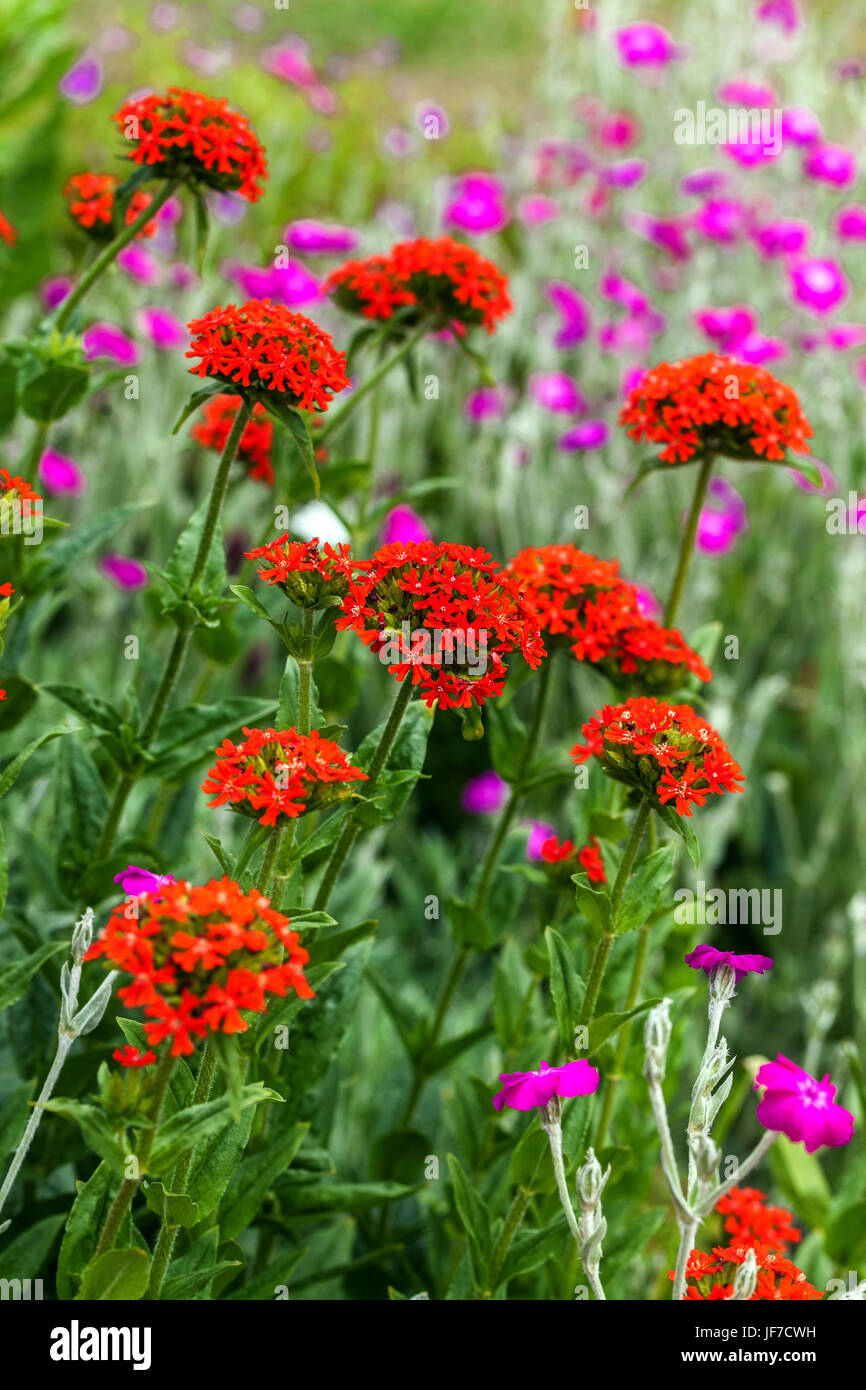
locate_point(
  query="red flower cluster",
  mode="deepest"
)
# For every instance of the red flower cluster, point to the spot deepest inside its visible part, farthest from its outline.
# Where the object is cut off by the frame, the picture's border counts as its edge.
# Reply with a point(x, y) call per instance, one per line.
point(441, 613)
point(778, 1279)
point(7, 231)
point(713, 405)
point(581, 602)
point(443, 279)
point(255, 447)
point(589, 858)
point(91, 205)
point(754, 1224)
point(281, 772)
point(15, 489)
point(266, 348)
point(666, 752)
point(306, 572)
point(198, 956)
point(194, 138)
point(129, 1056)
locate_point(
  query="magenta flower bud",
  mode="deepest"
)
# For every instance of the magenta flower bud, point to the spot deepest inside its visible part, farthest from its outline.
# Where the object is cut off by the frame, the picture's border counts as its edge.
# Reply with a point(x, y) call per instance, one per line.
point(591, 434)
point(556, 392)
point(645, 46)
point(800, 125)
point(162, 328)
point(804, 1109)
point(485, 794)
point(647, 603)
point(320, 238)
point(739, 93)
point(782, 238)
point(403, 526)
point(703, 182)
point(785, 14)
point(522, 1090)
point(831, 164)
point(850, 224)
point(124, 572)
point(105, 340)
point(539, 831)
point(136, 882)
point(82, 83)
point(819, 285)
point(60, 473)
point(625, 174)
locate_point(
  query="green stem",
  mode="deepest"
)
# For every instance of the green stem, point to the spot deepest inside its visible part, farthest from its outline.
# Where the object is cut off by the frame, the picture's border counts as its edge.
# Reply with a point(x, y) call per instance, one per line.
point(106, 257)
point(605, 945)
point(34, 453)
point(305, 669)
point(516, 1212)
point(340, 416)
point(687, 544)
point(269, 863)
point(129, 1186)
point(351, 825)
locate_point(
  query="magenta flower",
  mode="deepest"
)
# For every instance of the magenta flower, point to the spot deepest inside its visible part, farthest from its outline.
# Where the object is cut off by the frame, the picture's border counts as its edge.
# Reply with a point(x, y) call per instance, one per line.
point(104, 340)
point(757, 349)
point(721, 523)
point(292, 284)
point(487, 403)
point(591, 434)
point(125, 573)
point(828, 480)
point(556, 392)
point(727, 327)
point(720, 219)
point(53, 291)
point(522, 1090)
point(647, 602)
point(136, 882)
point(819, 285)
point(785, 14)
point(82, 83)
point(664, 232)
point(842, 336)
point(831, 164)
point(162, 328)
point(574, 313)
point(850, 224)
point(403, 526)
point(535, 208)
point(320, 238)
point(800, 125)
point(708, 959)
point(539, 831)
point(797, 1105)
point(782, 238)
point(626, 173)
point(477, 205)
point(617, 131)
point(645, 46)
point(485, 794)
point(739, 93)
point(703, 181)
point(138, 264)
point(60, 473)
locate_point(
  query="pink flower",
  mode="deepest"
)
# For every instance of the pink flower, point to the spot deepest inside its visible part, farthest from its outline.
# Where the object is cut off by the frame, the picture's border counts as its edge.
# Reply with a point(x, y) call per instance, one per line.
point(539, 831)
point(800, 125)
point(648, 603)
point(722, 521)
point(477, 205)
point(53, 291)
point(831, 164)
point(104, 340)
point(574, 313)
point(135, 882)
point(522, 1090)
point(403, 526)
point(842, 336)
point(645, 46)
point(162, 328)
point(727, 327)
point(828, 480)
point(320, 238)
point(819, 285)
point(617, 131)
point(740, 93)
point(797, 1105)
point(757, 349)
point(625, 174)
point(138, 264)
point(292, 284)
point(535, 208)
point(592, 434)
point(665, 233)
point(60, 473)
point(82, 83)
point(485, 794)
point(720, 219)
point(487, 403)
point(708, 959)
point(556, 392)
point(703, 181)
point(785, 14)
point(125, 573)
point(850, 224)
point(782, 238)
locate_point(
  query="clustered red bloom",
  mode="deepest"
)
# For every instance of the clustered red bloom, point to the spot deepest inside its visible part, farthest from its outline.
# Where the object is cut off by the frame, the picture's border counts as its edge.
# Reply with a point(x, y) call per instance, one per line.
point(280, 772)
point(583, 603)
point(7, 231)
point(439, 279)
point(129, 1056)
point(195, 138)
point(778, 1279)
point(266, 348)
point(16, 489)
point(711, 404)
point(441, 614)
point(256, 441)
point(754, 1224)
point(91, 200)
point(666, 752)
point(306, 572)
point(554, 851)
point(198, 956)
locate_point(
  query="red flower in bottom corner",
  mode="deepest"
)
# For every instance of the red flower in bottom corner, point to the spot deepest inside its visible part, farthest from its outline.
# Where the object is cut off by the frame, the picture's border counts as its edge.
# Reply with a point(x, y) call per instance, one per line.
point(711, 1277)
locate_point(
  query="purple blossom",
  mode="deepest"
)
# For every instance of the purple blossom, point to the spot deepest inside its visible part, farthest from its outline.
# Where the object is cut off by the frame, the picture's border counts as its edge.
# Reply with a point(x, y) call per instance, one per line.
point(539, 831)
point(535, 208)
point(403, 526)
point(800, 125)
point(703, 181)
point(625, 174)
point(574, 314)
point(664, 232)
point(842, 336)
point(785, 14)
point(164, 330)
point(105, 340)
point(645, 46)
point(292, 284)
point(804, 1109)
point(523, 1090)
point(477, 205)
point(819, 285)
point(727, 327)
point(136, 882)
point(124, 572)
point(82, 83)
point(486, 403)
point(744, 93)
point(647, 603)
point(556, 392)
point(708, 959)
point(591, 434)
point(320, 238)
point(831, 164)
point(138, 264)
point(53, 291)
point(485, 794)
point(720, 219)
point(850, 224)
point(60, 473)
point(782, 237)
point(722, 521)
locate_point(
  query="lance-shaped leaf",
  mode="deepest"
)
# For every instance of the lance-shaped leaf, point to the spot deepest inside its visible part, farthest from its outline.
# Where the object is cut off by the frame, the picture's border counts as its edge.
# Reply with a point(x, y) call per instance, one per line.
point(644, 889)
point(566, 987)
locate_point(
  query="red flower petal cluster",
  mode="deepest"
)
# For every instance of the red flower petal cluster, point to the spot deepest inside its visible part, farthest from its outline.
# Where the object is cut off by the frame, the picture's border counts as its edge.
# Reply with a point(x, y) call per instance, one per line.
point(752, 1223)
point(581, 602)
point(441, 614)
point(256, 441)
point(711, 404)
point(266, 348)
point(666, 752)
point(445, 280)
point(199, 956)
point(7, 231)
point(306, 572)
point(195, 138)
point(129, 1056)
point(281, 772)
point(778, 1279)
point(15, 489)
point(91, 204)
point(589, 858)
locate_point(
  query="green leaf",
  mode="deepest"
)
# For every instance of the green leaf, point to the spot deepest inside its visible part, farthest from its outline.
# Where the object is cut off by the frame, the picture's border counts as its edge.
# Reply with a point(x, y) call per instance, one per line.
point(14, 1114)
point(254, 1177)
point(174, 1208)
point(190, 734)
point(530, 1249)
point(511, 980)
point(410, 1022)
point(606, 1025)
point(441, 1056)
point(24, 1256)
point(644, 889)
point(4, 870)
point(188, 1127)
point(469, 927)
point(326, 1197)
point(407, 755)
point(196, 399)
point(299, 432)
point(80, 810)
point(202, 229)
point(116, 1275)
point(97, 712)
point(54, 392)
point(507, 735)
point(181, 564)
point(13, 768)
point(682, 827)
point(86, 1220)
point(15, 977)
point(246, 596)
point(81, 540)
point(845, 1236)
point(594, 903)
point(809, 469)
point(95, 1128)
point(475, 1216)
point(328, 944)
point(566, 987)
point(214, 1161)
point(801, 1178)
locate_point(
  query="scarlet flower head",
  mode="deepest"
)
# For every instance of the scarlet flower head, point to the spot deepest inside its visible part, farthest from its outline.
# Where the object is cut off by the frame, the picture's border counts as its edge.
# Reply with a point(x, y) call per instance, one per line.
point(7, 231)
point(804, 1109)
point(281, 773)
point(256, 441)
point(439, 279)
point(711, 404)
point(16, 489)
point(198, 956)
point(664, 752)
point(267, 350)
point(307, 573)
point(588, 858)
point(129, 1056)
point(91, 200)
point(581, 603)
point(778, 1280)
point(754, 1224)
point(441, 614)
point(196, 139)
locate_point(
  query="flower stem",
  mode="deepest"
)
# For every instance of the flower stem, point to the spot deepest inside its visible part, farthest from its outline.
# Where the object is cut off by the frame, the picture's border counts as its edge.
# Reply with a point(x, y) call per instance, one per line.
point(105, 258)
point(129, 1186)
point(64, 1043)
point(605, 945)
point(34, 453)
point(687, 544)
point(688, 1232)
point(749, 1162)
point(305, 670)
point(341, 415)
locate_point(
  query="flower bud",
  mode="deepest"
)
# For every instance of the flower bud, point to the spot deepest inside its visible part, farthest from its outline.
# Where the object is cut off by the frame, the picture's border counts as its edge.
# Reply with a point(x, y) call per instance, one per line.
point(82, 936)
point(746, 1279)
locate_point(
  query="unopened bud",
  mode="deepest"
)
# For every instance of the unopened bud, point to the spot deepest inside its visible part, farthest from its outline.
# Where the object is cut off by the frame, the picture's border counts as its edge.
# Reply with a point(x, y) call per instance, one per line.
point(746, 1279)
